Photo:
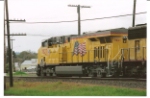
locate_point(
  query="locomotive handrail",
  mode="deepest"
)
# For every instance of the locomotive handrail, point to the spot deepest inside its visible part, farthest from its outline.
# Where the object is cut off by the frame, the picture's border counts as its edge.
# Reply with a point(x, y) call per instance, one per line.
point(108, 63)
point(128, 50)
point(124, 48)
point(116, 55)
point(143, 52)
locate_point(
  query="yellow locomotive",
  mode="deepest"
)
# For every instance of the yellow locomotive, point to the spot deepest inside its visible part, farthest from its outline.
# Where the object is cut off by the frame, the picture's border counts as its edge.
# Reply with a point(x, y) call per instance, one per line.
point(95, 54)
point(135, 63)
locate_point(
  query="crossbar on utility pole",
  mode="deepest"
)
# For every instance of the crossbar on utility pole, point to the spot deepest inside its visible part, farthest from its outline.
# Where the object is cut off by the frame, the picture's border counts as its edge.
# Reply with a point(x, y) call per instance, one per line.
point(78, 11)
point(19, 20)
point(17, 34)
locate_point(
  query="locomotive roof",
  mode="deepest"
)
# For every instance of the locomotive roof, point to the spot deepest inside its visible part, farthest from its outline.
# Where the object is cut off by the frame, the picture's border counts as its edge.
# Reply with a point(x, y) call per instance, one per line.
point(138, 27)
point(44, 40)
point(117, 30)
point(138, 31)
point(63, 36)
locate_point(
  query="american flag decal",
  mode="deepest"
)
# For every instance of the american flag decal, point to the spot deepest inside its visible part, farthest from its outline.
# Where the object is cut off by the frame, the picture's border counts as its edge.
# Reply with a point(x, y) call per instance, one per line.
point(79, 48)
point(76, 48)
point(82, 48)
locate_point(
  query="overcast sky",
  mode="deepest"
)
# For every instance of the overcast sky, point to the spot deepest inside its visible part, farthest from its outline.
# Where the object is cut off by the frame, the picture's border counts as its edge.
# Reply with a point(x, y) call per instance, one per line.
point(58, 10)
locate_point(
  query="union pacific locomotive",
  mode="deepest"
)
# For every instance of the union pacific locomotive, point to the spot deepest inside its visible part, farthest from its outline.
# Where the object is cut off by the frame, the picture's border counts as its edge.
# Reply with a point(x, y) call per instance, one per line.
point(106, 53)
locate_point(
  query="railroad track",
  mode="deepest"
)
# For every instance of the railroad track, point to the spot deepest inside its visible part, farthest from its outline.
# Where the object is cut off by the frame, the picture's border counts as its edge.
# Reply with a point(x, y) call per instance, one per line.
point(121, 82)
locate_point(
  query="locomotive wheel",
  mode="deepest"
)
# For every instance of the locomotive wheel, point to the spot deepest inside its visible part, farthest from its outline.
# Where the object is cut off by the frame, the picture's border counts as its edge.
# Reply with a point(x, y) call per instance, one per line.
point(99, 74)
point(42, 72)
point(38, 71)
point(92, 74)
point(103, 75)
point(143, 72)
point(48, 72)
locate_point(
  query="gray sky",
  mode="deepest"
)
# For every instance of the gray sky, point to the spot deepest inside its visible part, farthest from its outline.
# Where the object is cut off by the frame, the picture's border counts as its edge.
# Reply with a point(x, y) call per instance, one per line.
point(58, 10)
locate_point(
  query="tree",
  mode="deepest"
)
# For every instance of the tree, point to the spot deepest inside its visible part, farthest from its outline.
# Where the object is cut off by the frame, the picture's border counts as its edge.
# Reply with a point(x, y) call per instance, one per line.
point(24, 55)
point(27, 55)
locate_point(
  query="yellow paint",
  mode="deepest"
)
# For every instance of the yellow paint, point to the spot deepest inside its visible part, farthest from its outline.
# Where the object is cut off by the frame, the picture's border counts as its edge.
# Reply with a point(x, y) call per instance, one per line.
point(139, 54)
point(63, 53)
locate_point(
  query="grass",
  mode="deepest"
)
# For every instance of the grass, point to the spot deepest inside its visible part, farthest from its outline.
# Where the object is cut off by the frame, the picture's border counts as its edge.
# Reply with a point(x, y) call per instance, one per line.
point(69, 89)
point(17, 73)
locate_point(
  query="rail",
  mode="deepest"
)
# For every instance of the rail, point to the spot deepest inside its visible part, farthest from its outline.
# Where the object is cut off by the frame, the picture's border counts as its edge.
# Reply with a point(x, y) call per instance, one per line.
point(121, 82)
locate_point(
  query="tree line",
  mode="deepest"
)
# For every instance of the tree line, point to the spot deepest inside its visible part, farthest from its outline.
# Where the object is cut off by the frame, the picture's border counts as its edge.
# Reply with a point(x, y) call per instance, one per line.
point(20, 58)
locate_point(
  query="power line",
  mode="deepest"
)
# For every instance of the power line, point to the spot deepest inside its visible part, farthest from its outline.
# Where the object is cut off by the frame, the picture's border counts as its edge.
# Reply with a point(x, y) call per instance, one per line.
point(84, 19)
point(115, 16)
point(38, 35)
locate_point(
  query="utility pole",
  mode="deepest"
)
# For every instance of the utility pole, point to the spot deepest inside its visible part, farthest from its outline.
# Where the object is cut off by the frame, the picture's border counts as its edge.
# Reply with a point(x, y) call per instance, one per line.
point(12, 52)
point(10, 61)
point(4, 53)
point(134, 10)
point(78, 11)
point(8, 40)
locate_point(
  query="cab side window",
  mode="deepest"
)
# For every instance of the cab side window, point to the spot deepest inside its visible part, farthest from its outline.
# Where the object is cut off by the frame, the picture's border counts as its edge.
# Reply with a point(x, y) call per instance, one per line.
point(137, 45)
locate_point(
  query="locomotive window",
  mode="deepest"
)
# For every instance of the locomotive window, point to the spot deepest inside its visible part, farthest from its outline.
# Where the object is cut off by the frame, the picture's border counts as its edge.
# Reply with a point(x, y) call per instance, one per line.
point(102, 39)
point(68, 39)
point(49, 42)
point(63, 39)
point(98, 52)
point(41, 44)
point(103, 52)
point(44, 44)
point(95, 52)
point(55, 40)
point(108, 39)
point(137, 45)
point(92, 39)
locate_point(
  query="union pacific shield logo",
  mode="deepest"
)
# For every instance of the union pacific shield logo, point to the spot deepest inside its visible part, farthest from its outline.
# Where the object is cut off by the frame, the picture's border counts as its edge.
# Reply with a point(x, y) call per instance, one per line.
point(46, 51)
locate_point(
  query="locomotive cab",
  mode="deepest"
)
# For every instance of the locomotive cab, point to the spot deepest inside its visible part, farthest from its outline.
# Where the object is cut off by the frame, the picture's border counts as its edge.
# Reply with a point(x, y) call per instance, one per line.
point(135, 63)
